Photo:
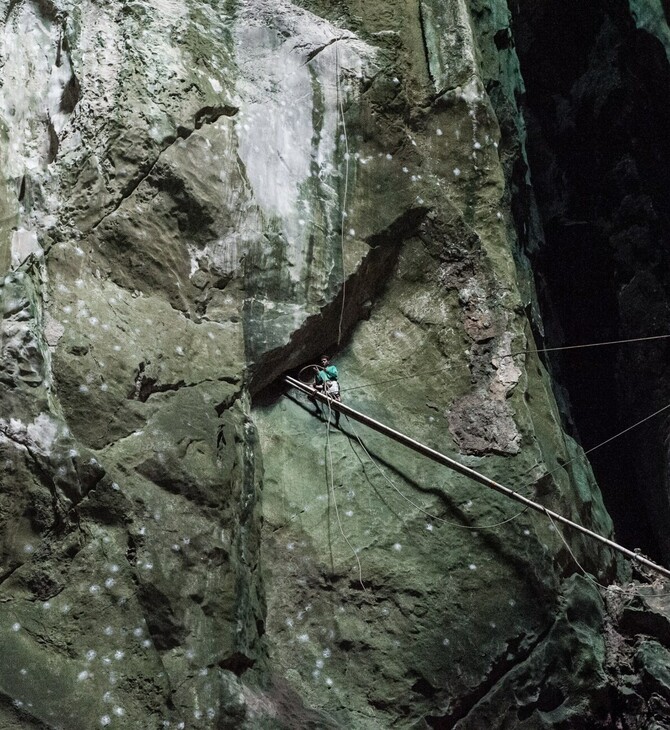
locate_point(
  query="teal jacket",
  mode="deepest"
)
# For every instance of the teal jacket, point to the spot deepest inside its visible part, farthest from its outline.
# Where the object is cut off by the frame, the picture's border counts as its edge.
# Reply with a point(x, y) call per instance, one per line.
point(326, 374)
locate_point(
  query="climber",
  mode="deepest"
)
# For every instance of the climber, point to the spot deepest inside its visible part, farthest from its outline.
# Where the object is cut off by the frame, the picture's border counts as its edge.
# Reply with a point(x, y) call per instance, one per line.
point(326, 381)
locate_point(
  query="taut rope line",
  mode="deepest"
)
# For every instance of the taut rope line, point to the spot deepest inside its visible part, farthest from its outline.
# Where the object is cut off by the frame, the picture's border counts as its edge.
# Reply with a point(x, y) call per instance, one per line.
point(332, 491)
point(512, 354)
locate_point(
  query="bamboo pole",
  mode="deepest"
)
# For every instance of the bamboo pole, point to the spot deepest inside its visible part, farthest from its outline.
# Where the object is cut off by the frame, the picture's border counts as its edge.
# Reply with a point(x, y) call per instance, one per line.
point(467, 471)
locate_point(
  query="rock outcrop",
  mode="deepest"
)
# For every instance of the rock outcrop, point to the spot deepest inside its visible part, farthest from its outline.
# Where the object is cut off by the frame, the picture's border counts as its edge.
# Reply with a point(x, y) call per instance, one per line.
point(198, 197)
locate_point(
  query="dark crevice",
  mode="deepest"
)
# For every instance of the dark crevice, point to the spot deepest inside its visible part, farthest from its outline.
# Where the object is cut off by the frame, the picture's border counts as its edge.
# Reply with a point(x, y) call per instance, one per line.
point(319, 332)
point(426, 52)
point(211, 114)
point(423, 687)
point(549, 698)
point(54, 142)
point(237, 663)
point(150, 386)
point(507, 661)
point(597, 120)
point(206, 115)
point(71, 94)
point(166, 629)
point(312, 54)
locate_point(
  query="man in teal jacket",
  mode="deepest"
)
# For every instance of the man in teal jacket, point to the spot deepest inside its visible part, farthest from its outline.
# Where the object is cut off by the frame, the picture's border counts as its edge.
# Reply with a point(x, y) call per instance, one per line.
point(326, 381)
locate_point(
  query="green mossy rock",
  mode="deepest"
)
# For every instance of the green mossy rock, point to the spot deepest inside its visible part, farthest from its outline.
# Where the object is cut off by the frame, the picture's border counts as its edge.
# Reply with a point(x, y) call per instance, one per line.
point(196, 198)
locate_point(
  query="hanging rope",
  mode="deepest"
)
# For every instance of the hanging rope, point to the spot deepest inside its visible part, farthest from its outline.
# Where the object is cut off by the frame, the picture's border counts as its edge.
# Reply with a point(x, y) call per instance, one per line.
point(332, 491)
point(629, 589)
point(340, 107)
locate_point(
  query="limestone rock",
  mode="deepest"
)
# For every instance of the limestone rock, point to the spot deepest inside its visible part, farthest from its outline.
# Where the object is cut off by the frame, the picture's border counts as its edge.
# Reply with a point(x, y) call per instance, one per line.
point(196, 198)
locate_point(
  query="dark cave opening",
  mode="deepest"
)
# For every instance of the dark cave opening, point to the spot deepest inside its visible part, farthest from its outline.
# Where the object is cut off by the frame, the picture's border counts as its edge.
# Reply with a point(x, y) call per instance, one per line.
point(598, 149)
point(577, 273)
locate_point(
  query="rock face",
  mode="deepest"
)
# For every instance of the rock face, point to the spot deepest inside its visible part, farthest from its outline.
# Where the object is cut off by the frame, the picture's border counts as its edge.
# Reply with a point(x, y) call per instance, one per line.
point(198, 197)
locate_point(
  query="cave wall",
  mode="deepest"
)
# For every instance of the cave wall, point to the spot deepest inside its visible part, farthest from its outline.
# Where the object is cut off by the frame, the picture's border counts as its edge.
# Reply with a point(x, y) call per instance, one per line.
point(196, 198)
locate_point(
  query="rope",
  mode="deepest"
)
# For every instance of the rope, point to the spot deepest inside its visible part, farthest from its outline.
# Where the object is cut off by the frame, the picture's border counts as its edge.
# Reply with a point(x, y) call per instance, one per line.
point(606, 441)
point(587, 575)
point(612, 586)
point(329, 451)
point(513, 354)
point(621, 433)
point(343, 216)
point(590, 344)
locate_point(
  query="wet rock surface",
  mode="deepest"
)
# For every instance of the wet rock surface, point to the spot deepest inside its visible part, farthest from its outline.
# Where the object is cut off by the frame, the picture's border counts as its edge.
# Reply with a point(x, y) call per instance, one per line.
point(196, 198)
